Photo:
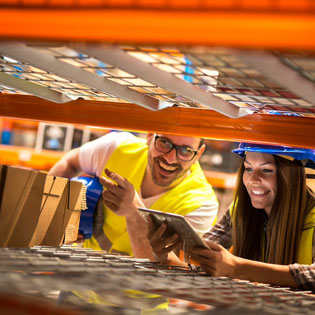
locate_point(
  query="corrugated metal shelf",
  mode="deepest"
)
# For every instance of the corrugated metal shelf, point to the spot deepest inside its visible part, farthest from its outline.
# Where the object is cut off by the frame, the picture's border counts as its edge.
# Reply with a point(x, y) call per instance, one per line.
point(187, 86)
point(198, 54)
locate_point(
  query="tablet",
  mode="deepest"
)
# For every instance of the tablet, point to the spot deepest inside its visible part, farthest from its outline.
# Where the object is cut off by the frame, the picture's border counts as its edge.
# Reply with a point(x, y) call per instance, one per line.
point(176, 224)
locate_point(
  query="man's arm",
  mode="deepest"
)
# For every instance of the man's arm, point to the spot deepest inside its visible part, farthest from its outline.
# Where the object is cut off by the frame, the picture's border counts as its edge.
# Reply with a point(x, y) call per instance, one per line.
point(137, 231)
point(68, 166)
point(123, 200)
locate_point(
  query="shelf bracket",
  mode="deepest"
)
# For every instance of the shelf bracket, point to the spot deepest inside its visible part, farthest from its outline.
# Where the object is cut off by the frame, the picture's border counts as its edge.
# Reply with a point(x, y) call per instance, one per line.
point(33, 88)
point(46, 62)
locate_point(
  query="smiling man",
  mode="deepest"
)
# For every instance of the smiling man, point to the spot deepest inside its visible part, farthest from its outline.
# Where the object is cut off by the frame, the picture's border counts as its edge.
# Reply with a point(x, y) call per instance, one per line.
point(161, 173)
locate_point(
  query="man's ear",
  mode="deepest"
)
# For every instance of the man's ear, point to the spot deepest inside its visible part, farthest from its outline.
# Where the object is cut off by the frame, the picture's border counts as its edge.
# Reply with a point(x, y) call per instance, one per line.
point(149, 138)
point(200, 151)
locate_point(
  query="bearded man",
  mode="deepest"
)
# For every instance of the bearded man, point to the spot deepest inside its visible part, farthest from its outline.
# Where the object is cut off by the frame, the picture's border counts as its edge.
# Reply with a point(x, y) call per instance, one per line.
point(160, 173)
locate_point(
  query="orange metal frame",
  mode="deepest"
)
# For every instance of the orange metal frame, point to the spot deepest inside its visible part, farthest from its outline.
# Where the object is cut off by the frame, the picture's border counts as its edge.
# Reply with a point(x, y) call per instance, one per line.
point(28, 157)
point(45, 159)
point(262, 24)
point(293, 131)
point(258, 24)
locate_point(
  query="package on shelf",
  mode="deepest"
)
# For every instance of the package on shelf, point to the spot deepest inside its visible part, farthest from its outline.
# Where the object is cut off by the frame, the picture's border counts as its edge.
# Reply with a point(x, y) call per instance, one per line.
point(38, 209)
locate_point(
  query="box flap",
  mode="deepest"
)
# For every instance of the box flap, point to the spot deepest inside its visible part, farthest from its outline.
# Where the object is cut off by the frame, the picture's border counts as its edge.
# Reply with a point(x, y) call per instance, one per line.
point(56, 229)
point(77, 196)
point(54, 186)
point(53, 191)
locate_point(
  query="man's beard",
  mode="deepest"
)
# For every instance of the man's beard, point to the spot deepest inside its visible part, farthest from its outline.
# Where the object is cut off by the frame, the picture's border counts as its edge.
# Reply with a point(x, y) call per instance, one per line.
point(167, 179)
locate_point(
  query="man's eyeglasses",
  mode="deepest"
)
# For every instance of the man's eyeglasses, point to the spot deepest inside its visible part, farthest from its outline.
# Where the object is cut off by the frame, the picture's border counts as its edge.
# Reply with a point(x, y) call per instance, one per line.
point(183, 152)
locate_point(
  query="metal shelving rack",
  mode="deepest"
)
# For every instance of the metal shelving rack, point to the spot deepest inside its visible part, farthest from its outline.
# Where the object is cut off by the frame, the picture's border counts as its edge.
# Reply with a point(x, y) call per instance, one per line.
point(238, 58)
point(228, 70)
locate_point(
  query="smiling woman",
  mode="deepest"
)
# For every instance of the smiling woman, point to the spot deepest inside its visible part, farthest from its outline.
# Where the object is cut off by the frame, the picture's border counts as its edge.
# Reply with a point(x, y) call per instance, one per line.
point(273, 202)
point(259, 178)
point(268, 234)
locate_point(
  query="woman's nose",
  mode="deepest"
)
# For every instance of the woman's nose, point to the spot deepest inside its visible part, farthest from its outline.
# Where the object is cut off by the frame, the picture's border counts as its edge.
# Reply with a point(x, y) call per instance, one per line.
point(255, 177)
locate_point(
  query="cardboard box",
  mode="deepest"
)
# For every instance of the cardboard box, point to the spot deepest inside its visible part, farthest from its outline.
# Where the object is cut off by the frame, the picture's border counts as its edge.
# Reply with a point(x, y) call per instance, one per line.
point(38, 209)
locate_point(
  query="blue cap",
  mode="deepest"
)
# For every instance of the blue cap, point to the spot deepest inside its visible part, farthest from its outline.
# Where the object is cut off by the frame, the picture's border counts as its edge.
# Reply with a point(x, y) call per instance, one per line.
point(306, 156)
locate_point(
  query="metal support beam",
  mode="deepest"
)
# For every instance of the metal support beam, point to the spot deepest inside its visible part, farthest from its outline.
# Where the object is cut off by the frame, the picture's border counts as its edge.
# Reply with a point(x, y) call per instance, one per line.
point(118, 58)
point(46, 62)
point(272, 129)
point(274, 69)
point(267, 25)
point(32, 88)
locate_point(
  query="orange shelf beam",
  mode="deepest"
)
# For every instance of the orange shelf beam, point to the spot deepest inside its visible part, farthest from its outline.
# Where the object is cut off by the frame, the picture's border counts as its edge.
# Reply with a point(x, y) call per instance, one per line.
point(288, 130)
point(45, 159)
point(28, 157)
point(221, 179)
point(264, 25)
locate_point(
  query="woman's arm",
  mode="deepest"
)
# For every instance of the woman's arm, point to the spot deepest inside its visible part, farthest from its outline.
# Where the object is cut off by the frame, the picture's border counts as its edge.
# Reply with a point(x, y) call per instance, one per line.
point(265, 273)
point(221, 263)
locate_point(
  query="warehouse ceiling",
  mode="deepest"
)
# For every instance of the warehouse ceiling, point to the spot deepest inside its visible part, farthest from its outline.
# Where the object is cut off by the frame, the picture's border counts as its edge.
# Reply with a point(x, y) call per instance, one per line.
point(233, 82)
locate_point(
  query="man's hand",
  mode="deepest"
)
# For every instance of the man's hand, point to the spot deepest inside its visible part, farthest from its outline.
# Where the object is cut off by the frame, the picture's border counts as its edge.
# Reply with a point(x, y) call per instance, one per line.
point(216, 261)
point(121, 198)
point(161, 246)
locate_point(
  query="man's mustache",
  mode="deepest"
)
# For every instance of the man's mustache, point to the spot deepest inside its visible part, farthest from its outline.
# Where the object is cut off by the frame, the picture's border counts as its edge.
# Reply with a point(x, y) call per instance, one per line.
point(165, 162)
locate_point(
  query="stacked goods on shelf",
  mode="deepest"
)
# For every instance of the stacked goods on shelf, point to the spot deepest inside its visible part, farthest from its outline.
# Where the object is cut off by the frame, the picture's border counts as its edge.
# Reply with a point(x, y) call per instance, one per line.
point(38, 209)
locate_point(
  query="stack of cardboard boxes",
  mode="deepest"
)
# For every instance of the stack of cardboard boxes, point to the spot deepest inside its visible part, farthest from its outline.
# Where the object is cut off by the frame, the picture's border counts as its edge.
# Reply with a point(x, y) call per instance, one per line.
point(38, 209)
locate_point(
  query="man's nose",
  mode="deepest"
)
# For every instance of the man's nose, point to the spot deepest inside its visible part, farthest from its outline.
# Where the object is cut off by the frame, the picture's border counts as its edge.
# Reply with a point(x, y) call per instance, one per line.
point(171, 157)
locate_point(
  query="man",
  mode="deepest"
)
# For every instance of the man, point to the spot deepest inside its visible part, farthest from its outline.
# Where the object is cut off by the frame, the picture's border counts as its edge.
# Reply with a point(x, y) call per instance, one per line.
point(160, 173)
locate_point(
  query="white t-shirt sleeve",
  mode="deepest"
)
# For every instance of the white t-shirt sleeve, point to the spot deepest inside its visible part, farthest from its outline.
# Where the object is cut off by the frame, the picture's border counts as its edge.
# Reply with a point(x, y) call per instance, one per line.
point(94, 155)
point(202, 218)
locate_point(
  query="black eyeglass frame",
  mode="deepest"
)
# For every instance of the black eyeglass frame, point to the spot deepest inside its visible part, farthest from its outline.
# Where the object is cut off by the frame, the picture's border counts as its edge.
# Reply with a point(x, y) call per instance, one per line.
point(176, 147)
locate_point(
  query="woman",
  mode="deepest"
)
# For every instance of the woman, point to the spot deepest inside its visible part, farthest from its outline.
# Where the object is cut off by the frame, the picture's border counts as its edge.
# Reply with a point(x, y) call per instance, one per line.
point(270, 228)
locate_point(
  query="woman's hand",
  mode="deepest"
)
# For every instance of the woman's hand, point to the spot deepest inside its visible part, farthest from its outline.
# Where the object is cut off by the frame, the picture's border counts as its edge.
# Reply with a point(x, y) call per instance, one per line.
point(161, 246)
point(217, 261)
